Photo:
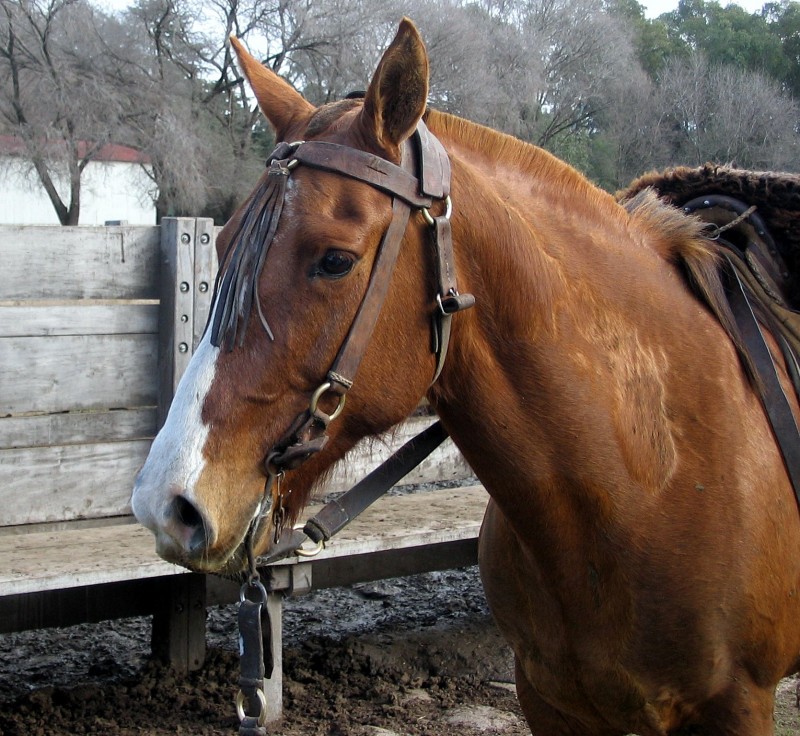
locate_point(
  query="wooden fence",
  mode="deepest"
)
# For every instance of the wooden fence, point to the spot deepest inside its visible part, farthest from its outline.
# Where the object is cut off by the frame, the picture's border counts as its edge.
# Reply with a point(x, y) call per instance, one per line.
point(96, 328)
point(81, 328)
point(85, 314)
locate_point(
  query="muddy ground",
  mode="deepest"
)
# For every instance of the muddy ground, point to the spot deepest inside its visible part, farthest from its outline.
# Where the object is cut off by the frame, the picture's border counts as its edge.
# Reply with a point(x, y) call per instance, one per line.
point(414, 656)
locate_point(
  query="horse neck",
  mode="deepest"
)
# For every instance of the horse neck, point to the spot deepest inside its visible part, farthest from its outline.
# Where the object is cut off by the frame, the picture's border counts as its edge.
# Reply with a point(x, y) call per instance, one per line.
point(530, 243)
point(516, 393)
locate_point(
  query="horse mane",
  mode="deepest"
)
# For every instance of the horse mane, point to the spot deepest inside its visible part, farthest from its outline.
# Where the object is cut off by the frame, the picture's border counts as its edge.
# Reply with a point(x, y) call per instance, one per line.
point(525, 157)
point(776, 196)
point(659, 225)
point(665, 229)
point(698, 260)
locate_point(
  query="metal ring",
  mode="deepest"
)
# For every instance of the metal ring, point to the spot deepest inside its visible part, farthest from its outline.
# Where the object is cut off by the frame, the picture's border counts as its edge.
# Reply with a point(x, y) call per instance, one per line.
point(262, 715)
point(317, 395)
point(448, 210)
point(300, 552)
point(253, 584)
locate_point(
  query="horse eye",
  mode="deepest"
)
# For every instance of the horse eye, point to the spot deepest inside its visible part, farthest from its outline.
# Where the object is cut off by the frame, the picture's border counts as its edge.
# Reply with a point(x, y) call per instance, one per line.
point(335, 264)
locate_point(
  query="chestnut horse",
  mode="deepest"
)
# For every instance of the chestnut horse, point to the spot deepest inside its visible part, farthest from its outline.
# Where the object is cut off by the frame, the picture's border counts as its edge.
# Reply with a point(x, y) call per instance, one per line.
point(641, 548)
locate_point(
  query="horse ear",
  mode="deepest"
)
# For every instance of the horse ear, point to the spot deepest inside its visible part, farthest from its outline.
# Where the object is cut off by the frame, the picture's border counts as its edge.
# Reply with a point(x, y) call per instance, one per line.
point(281, 103)
point(398, 92)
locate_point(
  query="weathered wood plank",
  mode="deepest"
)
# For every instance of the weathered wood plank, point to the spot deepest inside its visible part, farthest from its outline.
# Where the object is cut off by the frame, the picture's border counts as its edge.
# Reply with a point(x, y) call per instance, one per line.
point(66, 482)
point(71, 558)
point(78, 428)
point(50, 374)
point(70, 606)
point(179, 624)
point(60, 483)
point(205, 270)
point(79, 262)
point(42, 319)
point(68, 559)
point(187, 277)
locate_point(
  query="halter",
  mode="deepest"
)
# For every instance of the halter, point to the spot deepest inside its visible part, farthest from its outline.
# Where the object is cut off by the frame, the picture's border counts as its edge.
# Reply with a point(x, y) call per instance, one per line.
point(237, 281)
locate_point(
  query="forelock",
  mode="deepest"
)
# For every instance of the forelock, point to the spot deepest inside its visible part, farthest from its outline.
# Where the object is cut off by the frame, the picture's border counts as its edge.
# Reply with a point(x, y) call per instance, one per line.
point(327, 116)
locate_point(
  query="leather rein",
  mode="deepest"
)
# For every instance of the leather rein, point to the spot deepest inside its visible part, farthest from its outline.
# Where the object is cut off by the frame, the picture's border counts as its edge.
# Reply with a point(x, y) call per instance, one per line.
point(756, 274)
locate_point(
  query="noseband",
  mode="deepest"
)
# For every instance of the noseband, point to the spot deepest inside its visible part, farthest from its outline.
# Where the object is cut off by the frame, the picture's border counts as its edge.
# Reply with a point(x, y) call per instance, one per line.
point(422, 178)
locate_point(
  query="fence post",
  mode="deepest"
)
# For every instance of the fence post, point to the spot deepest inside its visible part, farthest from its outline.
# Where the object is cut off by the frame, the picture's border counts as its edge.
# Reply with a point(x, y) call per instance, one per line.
point(205, 270)
point(187, 272)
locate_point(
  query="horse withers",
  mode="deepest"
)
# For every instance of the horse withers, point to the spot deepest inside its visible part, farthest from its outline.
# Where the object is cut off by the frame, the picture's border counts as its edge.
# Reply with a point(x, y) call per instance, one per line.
point(641, 549)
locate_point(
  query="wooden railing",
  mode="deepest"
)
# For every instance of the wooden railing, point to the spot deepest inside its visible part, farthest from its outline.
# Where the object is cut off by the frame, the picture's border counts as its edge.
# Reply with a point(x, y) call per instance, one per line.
point(96, 328)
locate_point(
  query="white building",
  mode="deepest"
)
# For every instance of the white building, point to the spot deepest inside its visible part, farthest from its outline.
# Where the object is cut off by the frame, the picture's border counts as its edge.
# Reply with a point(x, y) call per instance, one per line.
point(114, 186)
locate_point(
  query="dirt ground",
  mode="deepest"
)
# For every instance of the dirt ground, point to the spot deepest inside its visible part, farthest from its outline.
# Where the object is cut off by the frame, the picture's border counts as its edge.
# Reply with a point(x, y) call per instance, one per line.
point(407, 657)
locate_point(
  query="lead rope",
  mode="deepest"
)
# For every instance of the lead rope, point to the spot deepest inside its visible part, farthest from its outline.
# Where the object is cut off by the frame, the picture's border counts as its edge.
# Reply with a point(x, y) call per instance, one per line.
point(255, 638)
point(251, 702)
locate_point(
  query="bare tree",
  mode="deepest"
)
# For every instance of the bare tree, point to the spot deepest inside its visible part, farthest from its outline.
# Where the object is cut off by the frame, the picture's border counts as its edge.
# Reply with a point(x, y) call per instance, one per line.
point(728, 115)
point(55, 93)
point(539, 69)
point(754, 122)
point(159, 56)
point(633, 130)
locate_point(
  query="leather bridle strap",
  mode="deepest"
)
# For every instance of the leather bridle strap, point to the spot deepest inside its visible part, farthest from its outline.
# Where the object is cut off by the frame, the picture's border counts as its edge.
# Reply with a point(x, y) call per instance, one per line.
point(308, 433)
point(423, 152)
point(337, 514)
point(344, 368)
point(424, 155)
point(773, 398)
point(365, 167)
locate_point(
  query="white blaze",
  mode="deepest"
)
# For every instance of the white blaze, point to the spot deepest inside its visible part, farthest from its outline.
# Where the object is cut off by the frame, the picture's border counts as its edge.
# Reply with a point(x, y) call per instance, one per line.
point(176, 459)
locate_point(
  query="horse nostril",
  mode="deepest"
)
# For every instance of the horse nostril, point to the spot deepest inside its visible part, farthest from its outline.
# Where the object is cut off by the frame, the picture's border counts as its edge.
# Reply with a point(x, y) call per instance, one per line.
point(188, 515)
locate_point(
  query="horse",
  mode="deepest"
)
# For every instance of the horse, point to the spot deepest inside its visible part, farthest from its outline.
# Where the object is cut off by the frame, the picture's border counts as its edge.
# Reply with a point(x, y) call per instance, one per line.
point(640, 551)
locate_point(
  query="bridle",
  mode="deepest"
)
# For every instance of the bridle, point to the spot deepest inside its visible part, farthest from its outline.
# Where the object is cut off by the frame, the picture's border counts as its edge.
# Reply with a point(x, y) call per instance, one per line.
point(422, 178)
point(424, 155)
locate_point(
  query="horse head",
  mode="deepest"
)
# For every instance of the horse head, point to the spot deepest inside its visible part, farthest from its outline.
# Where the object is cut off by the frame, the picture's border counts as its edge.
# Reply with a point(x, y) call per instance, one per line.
point(260, 399)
